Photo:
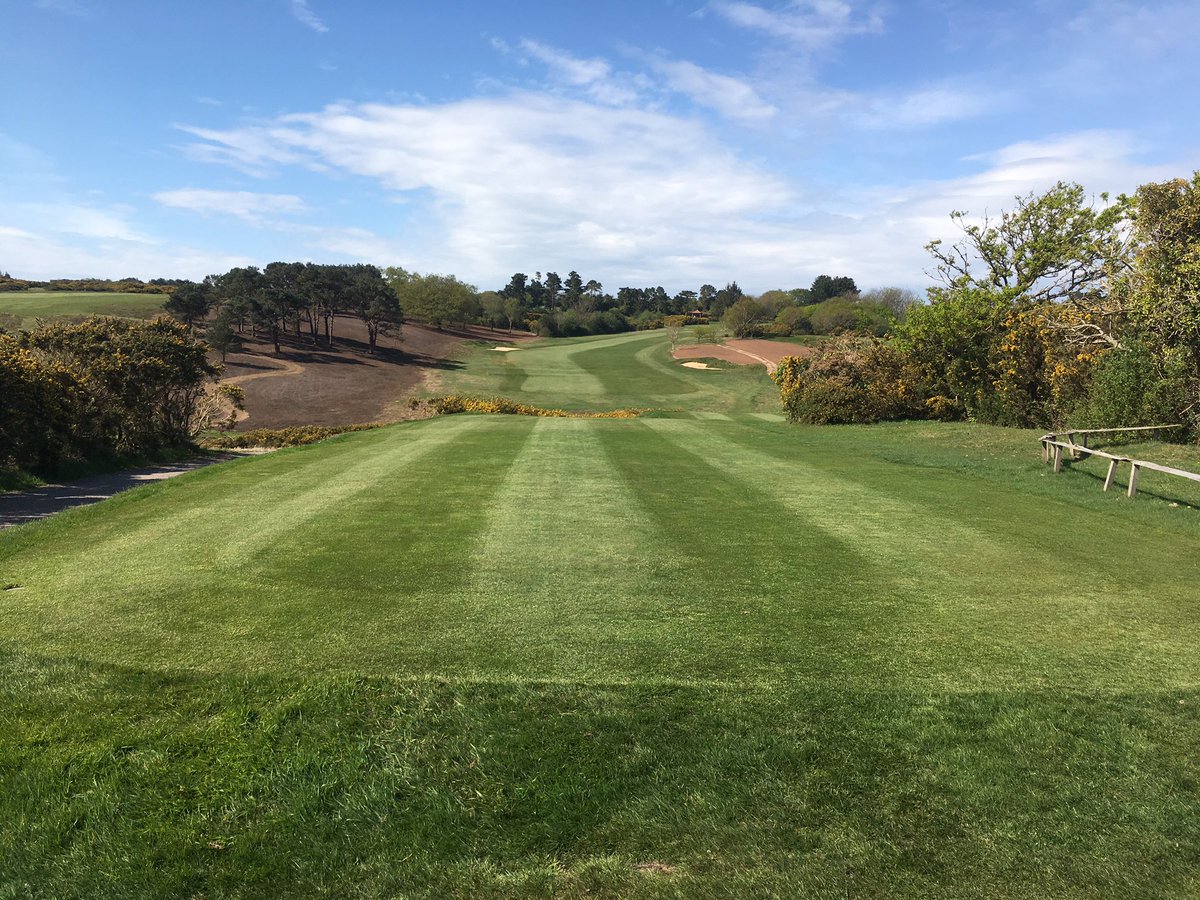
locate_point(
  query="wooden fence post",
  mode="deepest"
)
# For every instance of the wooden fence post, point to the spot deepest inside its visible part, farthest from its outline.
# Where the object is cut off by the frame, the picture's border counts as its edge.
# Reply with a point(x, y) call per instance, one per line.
point(1058, 455)
point(1133, 475)
point(1112, 473)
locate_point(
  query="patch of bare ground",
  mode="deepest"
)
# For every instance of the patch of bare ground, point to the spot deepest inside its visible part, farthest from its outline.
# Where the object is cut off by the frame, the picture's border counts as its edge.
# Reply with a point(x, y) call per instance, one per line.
point(311, 384)
point(744, 352)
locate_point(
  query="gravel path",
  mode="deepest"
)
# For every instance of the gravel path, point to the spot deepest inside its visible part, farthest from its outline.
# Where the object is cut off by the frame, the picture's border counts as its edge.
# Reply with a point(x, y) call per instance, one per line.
point(29, 506)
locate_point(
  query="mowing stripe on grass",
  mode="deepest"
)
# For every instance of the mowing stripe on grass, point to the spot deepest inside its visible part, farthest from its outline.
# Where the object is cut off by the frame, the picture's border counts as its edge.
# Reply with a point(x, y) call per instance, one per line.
point(638, 363)
point(775, 598)
point(561, 571)
point(946, 567)
point(240, 606)
point(555, 372)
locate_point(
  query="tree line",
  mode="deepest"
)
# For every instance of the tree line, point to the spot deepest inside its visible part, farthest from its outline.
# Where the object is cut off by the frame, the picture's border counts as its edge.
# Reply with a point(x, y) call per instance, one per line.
point(90, 285)
point(1063, 310)
point(306, 298)
point(302, 298)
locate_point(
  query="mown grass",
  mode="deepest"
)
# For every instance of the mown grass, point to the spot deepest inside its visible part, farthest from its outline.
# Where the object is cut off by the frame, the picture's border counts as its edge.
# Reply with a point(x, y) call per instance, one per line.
point(610, 372)
point(30, 306)
point(699, 654)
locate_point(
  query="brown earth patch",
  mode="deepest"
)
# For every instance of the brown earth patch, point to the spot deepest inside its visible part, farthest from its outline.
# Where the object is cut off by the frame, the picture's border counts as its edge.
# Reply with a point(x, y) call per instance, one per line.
point(345, 385)
point(772, 352)
point(744, 352)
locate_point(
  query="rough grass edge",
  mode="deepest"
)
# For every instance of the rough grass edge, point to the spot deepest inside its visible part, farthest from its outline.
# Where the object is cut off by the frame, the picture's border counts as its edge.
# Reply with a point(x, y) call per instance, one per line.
point(452, 404)
point(293, 436)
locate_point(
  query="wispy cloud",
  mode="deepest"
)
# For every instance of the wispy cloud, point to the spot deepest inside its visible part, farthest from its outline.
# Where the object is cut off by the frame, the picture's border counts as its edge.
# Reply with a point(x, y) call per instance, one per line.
point(253, 208)
point(731, 97)
point(811, 23)
point(47, 254)
point(593, 76)
point(306, 16)
point(532, 179)
point(926, 106)
point(82, 219)
point(596, 78)
point(633, 196)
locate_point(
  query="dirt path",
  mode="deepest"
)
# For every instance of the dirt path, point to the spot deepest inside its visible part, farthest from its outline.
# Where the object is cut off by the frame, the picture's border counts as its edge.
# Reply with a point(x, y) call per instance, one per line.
point(28, 506)
point(286, 367)
point(754, 356)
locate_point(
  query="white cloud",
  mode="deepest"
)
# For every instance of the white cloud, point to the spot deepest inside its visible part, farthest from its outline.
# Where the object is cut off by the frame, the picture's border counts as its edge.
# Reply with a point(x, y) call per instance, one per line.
point(730, 97)
point(44, 255)
point(814, 24)
point(894, 223)
point(594, 76)
point(67, 217)
point(575, 70)
point(304, 15)
point(252, 151)
point(529, 180)
point(255, 208)
point(630, 196)
point(926, 106)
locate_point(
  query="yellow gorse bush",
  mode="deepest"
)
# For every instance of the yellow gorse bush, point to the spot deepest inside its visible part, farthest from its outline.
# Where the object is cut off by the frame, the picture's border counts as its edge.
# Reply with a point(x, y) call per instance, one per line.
point(454, 403)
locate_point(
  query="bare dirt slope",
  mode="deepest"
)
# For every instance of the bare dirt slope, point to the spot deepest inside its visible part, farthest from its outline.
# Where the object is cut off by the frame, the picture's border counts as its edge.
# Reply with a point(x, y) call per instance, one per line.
point(345, 385)
point(745, 352)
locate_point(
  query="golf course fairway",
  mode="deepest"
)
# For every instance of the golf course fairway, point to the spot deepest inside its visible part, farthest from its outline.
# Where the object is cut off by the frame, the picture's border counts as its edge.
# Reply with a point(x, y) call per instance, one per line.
point(699, 653)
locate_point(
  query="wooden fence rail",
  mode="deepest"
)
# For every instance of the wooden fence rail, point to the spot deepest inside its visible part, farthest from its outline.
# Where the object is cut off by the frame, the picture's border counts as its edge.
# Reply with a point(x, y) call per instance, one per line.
point(1053, 448)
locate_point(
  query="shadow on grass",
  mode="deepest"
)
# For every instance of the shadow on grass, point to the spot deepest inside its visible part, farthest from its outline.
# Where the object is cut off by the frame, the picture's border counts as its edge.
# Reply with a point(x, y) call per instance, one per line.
point(173, 784)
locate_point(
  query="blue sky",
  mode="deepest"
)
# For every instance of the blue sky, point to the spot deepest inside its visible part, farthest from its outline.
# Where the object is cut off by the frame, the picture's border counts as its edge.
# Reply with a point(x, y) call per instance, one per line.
point(639, 143)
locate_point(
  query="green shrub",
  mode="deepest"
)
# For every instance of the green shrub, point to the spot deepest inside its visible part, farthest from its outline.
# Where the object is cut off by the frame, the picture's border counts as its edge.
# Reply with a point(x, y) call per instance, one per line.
point(1134, 386)
point(104, 387)
point(796, 319)
point(851, 381)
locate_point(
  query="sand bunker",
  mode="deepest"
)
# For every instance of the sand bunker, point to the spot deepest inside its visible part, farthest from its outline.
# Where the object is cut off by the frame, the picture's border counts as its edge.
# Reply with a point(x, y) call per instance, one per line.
point(505, 349)
point(698, 365)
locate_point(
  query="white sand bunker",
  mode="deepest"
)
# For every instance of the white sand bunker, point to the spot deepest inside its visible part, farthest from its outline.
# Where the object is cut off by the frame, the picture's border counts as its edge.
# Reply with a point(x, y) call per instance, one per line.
point(505, 349)
point(698, 365)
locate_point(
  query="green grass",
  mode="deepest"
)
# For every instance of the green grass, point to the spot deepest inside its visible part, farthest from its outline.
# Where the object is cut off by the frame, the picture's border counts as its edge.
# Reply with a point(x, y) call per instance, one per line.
point(611, 372)
point(32, 305)
point(697, 654)
point(17, 480)
point(803, 340)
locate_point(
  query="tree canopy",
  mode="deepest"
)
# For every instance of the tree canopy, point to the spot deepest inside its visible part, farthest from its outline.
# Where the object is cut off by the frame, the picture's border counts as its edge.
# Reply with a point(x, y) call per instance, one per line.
point(438, 299)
